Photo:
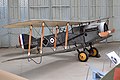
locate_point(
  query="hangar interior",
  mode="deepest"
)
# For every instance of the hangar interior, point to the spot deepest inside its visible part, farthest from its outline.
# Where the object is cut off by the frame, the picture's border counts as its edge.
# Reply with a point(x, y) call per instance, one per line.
point(63, 66)
point(12, 11)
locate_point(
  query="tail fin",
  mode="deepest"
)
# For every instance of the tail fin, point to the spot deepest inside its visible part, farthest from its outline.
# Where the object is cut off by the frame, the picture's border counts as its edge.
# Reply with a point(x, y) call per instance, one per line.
point(24, 41)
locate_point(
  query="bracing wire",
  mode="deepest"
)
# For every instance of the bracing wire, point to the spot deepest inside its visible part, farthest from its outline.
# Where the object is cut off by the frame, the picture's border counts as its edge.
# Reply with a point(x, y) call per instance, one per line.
point(37, 31)
point(40, 60)
point(52, 33)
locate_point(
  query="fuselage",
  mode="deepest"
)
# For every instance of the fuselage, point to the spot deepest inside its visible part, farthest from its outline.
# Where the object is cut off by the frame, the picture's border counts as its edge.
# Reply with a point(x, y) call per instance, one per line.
point(77, 35)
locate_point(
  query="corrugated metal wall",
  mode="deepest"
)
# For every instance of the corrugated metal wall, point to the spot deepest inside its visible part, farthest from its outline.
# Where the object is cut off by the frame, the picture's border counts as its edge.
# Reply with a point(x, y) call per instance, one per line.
point(116, 20)
point(19, 10)
point(39, 9)
point(3, 12)
point(3, 20)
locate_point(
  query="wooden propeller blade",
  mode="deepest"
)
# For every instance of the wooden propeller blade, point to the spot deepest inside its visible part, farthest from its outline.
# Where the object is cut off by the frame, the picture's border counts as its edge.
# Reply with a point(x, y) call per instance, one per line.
point(106, 33)
point(113, 30)
point(103, 34)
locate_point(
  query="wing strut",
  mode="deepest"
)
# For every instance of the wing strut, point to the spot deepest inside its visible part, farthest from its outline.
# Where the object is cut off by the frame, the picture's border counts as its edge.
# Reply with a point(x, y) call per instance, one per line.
point(66, 38)
point(30, 40)
point(42, 36)
point(55, 38)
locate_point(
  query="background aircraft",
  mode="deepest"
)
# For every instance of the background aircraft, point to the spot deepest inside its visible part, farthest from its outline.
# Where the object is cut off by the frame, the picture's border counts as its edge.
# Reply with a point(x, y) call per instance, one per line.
point(83, 34)
point(114, 74)
point(111, 75)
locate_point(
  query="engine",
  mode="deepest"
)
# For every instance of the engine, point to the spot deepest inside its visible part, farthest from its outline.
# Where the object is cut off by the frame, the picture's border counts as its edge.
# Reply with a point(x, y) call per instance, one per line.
point(103, 27)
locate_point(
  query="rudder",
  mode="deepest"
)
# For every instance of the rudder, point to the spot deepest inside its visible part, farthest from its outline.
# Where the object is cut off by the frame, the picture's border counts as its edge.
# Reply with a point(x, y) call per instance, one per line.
point(24, 41)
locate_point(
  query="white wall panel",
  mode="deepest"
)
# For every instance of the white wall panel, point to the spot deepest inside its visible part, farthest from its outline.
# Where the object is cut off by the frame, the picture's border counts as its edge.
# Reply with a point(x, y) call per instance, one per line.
point(3, 12)
point(65, 10)
point(13, 9)
point(4, 40)
point(92, 9)
point(60, 9)
point(39, 9)
point(23, 10)
point(84, 6)
point(74, 9)
point(116, 19)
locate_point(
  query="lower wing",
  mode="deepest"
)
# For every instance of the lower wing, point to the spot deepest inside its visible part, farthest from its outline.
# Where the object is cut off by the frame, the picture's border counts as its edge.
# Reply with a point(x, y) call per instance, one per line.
point(93, 41)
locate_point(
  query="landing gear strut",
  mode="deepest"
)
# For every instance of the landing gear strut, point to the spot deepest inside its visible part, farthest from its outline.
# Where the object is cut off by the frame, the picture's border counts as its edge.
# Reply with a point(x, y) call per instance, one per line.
point(82, 56)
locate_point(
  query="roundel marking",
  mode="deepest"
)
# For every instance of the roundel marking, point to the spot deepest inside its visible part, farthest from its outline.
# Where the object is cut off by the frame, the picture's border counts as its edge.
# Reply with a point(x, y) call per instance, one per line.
point(52, 40)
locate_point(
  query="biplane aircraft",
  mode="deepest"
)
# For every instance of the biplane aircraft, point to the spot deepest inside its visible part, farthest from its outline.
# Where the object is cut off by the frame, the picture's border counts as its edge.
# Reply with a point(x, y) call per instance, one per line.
point(82, 34)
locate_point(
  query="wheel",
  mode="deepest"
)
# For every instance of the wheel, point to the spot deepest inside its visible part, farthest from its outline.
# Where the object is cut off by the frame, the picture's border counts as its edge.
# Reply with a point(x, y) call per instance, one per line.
point(93, 52)
point(82, 56)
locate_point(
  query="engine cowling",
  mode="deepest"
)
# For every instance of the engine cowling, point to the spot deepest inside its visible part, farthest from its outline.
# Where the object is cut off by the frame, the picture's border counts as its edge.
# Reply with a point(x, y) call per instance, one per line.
point(103, 27)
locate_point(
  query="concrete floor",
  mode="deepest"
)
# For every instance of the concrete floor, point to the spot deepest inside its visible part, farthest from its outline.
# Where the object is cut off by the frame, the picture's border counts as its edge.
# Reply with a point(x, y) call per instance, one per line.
point(59, 66)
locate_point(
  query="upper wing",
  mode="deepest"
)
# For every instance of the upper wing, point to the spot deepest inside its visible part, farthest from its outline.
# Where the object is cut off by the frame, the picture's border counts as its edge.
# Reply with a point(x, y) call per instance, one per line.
point(50, 23)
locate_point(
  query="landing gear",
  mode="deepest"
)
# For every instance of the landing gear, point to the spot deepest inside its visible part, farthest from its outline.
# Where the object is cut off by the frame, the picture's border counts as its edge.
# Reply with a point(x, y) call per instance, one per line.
point(82, 56)
point(94, 52)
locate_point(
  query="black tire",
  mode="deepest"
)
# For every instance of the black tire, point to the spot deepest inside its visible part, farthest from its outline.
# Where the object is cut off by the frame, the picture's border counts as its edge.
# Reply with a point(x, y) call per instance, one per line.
point(82, 56)
point(93, 52)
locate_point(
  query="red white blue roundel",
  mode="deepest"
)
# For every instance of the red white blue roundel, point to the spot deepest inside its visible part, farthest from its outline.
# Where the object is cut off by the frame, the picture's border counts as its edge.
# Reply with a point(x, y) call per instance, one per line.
point(52, 40)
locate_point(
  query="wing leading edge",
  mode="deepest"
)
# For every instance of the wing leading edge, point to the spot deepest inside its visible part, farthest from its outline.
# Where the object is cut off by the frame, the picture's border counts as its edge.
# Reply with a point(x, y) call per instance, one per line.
point(50, 23)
